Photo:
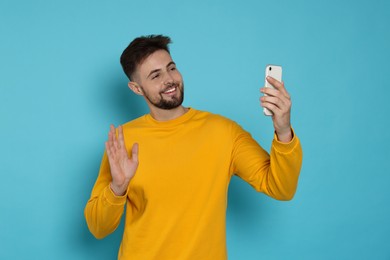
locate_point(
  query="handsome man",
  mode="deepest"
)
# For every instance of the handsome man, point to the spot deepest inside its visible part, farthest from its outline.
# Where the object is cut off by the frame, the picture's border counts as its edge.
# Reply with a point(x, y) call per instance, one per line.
point(171, 168)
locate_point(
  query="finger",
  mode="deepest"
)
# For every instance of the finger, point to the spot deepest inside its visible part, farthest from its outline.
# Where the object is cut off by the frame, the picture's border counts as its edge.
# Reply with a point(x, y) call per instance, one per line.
point(270, 91)
point(276, 93)
point(273, 100)
point(111, 135)
point(108, 149)
point(271, 107)
point(112, 128)
point(134, 152)
point(109, 152)
point(110, 141)
point(276, 111)
point(115, 143)
point(121, 140)
point(279, 85)
point(114, 140)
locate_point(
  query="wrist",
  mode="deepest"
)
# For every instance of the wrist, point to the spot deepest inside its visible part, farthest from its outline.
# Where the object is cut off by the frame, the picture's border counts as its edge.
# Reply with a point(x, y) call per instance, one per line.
point(285, 136)
point(118, 191)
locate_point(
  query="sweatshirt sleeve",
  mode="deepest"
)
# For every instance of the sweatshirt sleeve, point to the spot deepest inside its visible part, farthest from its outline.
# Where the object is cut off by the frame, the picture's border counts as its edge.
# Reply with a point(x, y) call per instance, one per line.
point(275, 174)
point(104, 209)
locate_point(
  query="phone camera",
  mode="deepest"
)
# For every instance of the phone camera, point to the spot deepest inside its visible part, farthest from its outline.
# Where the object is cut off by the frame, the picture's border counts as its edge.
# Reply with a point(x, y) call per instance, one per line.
point(270, 68)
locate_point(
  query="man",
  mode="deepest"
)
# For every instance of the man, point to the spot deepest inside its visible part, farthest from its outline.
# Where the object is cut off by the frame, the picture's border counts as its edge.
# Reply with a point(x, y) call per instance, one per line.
point(171, 168)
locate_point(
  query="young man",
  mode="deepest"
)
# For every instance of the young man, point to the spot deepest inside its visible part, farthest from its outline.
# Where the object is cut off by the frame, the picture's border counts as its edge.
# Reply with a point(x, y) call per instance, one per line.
point(171, 168)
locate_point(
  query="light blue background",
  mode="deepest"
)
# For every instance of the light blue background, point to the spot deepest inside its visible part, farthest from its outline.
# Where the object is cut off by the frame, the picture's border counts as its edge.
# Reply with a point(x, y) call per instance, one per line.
point(62, 85)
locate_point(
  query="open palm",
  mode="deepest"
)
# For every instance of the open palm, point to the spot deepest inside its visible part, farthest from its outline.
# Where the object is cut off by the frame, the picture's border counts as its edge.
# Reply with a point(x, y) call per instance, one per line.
point(122, 166)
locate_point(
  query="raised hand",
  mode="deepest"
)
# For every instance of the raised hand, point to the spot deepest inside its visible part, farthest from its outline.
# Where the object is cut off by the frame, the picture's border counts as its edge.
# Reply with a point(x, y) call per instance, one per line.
point(122, 166)
point(279, 102)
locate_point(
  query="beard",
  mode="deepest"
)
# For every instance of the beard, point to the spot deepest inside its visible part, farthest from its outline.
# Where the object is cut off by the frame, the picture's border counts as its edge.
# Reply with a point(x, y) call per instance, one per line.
point(167, 104)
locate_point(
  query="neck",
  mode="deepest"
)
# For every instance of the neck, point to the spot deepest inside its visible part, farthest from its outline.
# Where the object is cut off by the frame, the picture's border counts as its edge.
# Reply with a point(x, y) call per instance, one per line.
point(165, 115)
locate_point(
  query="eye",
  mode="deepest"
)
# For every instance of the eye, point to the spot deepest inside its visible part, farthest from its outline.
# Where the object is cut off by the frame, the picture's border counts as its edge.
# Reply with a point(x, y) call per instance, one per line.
point(155, 76)
point(173, 68)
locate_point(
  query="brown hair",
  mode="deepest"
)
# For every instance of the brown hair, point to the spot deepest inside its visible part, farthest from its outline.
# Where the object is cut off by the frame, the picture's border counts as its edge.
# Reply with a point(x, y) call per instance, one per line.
point(139, 49)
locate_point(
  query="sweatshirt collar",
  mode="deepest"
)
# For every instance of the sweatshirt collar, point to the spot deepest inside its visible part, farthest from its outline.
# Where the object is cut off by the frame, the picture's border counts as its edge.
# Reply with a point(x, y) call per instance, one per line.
point(173, 122)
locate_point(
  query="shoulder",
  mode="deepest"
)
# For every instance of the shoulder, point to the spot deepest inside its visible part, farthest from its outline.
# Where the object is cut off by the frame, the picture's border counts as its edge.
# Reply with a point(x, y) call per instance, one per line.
point(139, 122)
point(215, 119)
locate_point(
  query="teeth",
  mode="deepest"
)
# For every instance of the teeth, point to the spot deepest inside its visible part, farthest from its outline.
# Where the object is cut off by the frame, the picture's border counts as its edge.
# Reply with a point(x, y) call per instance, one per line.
point(170, 90)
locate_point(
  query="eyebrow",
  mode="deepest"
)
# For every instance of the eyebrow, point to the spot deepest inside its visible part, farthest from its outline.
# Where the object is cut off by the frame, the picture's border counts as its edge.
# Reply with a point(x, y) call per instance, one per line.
point(157, 70)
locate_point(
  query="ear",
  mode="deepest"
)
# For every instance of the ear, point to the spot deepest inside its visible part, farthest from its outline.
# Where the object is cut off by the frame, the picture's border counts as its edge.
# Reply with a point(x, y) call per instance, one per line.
point(135, 88)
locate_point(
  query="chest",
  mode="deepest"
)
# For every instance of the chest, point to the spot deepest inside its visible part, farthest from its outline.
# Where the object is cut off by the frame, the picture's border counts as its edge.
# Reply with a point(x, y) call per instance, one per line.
point(179, 166)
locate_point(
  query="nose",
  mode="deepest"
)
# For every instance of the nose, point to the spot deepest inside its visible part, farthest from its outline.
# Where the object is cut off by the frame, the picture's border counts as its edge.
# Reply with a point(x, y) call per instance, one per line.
point(168, 79)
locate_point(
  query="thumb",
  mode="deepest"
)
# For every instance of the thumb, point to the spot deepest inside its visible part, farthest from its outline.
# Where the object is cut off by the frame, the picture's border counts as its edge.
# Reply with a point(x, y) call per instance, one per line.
point(134, 152)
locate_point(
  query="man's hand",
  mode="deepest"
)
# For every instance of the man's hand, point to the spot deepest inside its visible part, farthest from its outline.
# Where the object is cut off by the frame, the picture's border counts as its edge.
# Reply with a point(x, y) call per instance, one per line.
point(122, 167)
point(278, 102)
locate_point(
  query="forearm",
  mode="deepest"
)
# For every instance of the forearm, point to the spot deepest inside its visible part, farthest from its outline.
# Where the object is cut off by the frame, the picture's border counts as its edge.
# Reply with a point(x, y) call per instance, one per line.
point(285, 166)
point(103, 212)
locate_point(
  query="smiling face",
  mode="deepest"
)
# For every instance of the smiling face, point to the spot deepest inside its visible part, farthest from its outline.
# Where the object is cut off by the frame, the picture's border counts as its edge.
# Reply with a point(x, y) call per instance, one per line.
point(159, 81)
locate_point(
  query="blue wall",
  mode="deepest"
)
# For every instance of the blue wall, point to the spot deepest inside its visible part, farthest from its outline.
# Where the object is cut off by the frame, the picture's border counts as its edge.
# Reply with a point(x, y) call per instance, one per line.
point(62, 85)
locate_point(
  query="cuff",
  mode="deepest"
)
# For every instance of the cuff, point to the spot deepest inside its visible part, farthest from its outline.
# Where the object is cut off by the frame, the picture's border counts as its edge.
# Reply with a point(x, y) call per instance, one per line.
point(285, 147)
point(112, 198)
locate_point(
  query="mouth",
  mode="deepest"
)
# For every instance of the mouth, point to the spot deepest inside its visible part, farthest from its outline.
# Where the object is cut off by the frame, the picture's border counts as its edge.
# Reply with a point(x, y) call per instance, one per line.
point(170, 91)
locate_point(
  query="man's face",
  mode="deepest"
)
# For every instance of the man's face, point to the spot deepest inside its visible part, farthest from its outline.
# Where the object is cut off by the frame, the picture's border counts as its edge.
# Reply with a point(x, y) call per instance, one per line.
point(160, 81)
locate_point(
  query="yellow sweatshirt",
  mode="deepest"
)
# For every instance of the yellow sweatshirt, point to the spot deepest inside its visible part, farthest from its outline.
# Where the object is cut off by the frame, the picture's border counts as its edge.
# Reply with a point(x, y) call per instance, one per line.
point(176, 202)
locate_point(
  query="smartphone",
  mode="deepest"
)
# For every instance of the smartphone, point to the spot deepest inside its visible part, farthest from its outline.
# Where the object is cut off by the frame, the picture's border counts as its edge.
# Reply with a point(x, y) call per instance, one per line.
point(274, 71)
